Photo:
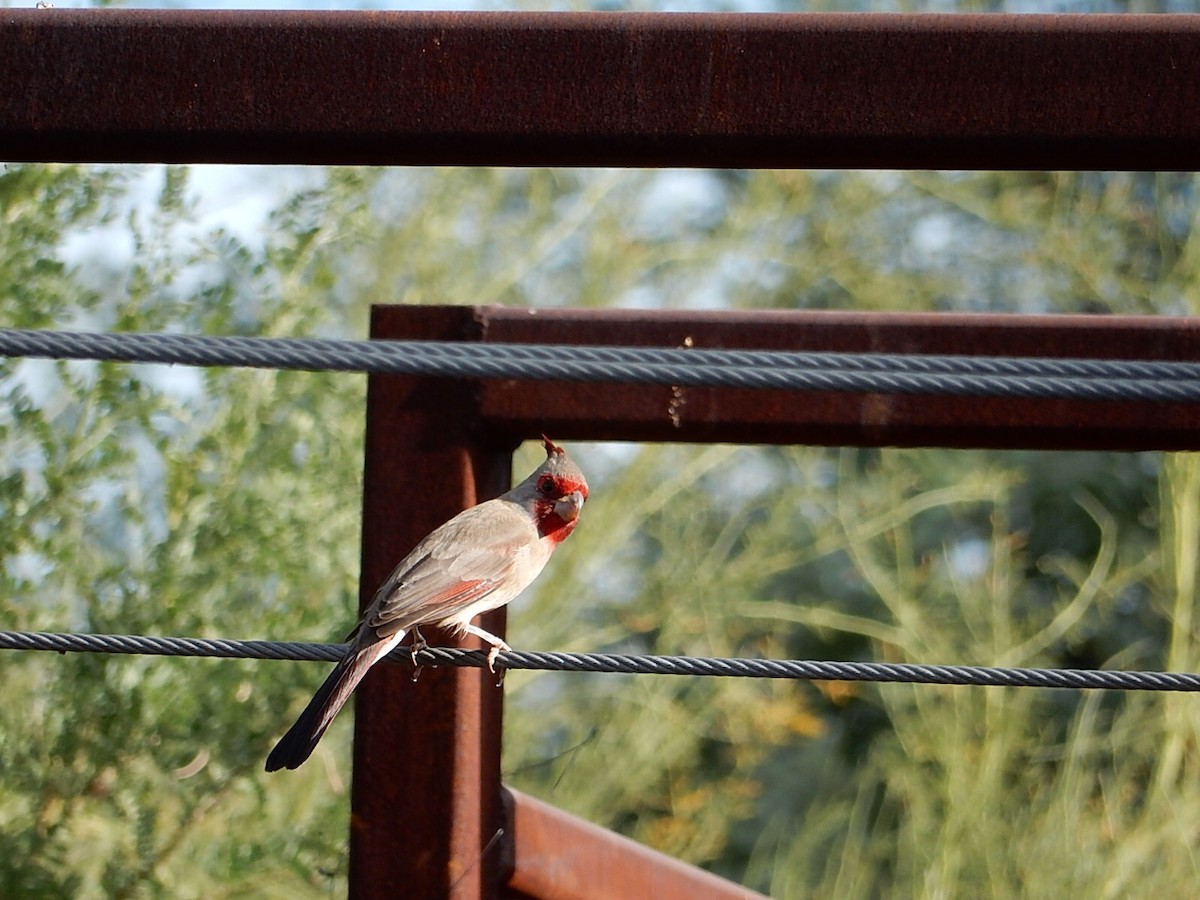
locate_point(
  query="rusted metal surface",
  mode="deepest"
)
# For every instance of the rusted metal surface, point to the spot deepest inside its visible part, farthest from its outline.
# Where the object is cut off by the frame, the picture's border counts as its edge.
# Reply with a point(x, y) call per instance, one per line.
point(427, 818)
point(562, 856)
point(515, 410)
point(824, 90)
point(429, 752)
point(426, 802)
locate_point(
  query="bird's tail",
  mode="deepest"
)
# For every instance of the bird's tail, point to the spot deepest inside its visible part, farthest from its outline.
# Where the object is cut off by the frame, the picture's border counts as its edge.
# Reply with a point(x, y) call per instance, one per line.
point(301, 739)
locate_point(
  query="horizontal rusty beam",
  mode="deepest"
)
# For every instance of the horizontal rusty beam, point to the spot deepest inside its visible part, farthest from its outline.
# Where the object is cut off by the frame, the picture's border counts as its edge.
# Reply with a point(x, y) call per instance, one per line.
point(629, 89)
point(562, 856)
point(514, 410)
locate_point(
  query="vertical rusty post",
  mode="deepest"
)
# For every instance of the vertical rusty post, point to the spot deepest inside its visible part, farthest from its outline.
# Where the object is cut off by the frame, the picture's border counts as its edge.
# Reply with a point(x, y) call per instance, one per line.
point(426, 787)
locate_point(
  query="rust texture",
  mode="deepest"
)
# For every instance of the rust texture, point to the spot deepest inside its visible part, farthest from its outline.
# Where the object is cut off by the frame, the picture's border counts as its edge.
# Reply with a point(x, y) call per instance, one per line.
point(427, 796)
point(636, 89)
point(562, 856)
point(648, 413)
point(426, 790)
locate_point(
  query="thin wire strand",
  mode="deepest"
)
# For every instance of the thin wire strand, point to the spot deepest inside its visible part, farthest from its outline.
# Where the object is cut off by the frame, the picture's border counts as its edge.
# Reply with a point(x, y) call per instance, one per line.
point(819, 670)
point(1079, 379)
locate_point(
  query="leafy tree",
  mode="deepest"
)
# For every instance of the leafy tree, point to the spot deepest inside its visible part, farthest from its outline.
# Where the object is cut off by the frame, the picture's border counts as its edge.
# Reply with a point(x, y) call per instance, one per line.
point(139, 503)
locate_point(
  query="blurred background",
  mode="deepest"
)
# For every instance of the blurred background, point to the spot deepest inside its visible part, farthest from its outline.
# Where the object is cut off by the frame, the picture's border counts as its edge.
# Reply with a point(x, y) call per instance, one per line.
point(226, 503)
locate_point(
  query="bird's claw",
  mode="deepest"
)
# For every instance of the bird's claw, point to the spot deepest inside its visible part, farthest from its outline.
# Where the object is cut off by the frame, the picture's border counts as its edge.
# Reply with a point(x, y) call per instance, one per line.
point(493, 653)
point(418, 644)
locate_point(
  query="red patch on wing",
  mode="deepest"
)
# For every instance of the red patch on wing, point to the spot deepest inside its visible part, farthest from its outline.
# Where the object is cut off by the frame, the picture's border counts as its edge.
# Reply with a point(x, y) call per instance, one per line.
point(432, 609)
point(458, 595)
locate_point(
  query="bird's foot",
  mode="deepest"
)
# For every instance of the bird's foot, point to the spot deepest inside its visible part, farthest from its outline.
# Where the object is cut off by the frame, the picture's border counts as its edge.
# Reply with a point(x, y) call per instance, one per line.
point(418, 644)
point(491, 661)
point(497, 645)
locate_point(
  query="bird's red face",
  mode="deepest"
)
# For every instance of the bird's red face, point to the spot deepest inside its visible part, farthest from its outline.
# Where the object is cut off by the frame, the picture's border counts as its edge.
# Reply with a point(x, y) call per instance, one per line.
point(560, 497)
point(559, 492)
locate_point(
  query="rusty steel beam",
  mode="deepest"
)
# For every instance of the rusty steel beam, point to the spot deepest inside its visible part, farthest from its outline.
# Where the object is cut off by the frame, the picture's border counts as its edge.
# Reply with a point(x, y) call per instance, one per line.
point(427, 802)
point(562, 856)
point(426, 819)
point(629, 89)
point(518, 409)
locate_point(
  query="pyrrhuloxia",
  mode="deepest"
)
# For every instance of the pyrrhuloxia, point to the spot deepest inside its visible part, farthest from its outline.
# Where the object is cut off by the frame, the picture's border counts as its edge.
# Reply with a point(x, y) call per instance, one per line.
point(476, 562)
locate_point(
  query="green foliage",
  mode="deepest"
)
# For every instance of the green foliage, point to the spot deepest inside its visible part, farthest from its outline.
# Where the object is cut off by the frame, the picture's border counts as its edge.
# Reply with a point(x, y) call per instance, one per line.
point(226, 502)
point(136, 505)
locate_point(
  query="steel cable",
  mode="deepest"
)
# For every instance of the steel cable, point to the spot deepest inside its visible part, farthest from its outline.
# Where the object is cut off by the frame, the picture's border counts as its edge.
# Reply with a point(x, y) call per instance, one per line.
point(1080, 379)
point(630, 664)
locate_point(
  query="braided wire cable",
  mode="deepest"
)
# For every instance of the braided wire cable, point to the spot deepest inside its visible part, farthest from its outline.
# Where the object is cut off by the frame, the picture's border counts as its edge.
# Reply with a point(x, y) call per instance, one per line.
point(1078, 379)
point(630, 664)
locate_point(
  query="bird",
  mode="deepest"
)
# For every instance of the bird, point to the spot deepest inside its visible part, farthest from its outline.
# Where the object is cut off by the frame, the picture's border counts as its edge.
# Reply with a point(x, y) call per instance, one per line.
point(476, 562)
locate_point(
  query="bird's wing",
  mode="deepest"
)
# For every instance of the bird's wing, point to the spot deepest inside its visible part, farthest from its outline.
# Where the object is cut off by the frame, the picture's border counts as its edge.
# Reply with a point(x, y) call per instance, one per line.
point(454, 567)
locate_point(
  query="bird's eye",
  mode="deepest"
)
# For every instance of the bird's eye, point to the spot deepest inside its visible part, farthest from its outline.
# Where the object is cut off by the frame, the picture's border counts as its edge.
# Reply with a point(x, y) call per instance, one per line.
point(546, 487)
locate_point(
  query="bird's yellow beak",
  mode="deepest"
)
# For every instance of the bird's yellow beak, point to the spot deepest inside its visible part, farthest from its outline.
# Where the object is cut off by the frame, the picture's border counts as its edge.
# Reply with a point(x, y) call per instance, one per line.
point(567, 508)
